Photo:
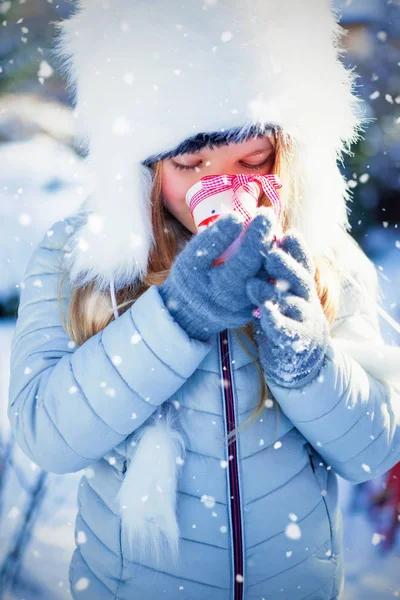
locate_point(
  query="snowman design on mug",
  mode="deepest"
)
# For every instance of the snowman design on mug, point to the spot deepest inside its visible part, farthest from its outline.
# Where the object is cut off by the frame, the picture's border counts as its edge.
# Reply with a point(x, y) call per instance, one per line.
point(216, 195)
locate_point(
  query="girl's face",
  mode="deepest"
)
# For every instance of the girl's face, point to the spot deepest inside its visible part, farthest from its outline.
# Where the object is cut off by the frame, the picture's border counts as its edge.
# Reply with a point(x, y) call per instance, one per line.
point(181, 172)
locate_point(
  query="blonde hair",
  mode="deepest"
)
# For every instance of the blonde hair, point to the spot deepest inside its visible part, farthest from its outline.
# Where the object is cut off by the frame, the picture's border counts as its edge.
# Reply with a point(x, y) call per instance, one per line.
point(90, 311)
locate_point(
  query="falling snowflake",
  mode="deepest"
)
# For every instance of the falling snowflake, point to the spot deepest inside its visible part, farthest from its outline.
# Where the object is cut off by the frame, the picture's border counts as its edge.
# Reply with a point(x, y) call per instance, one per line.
point(81, 537)
point(208, 501)
point(364, 178)
point(136, 338)
point(282, 285)
point(226, 36)
point(293, 531)
point(45, 71)
point(24, 219)
point(377, 538)
point(82, 584)
point(5, 7)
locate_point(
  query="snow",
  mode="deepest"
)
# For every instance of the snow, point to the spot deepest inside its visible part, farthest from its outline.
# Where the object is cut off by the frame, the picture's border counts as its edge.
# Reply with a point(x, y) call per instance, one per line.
point(41, 181)
point(44, 572)
point(293, 531)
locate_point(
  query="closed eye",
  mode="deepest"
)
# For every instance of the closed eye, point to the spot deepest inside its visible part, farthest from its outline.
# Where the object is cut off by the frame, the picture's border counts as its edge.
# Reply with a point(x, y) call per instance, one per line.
point(192, 168)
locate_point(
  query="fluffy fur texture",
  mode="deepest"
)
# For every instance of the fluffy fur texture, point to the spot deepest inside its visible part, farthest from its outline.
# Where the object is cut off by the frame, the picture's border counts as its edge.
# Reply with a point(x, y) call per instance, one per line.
point(138, 72)
point(148, 493)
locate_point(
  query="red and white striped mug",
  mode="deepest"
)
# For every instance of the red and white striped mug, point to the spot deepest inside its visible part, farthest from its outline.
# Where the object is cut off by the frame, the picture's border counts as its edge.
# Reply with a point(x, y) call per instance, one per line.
point(215, 195)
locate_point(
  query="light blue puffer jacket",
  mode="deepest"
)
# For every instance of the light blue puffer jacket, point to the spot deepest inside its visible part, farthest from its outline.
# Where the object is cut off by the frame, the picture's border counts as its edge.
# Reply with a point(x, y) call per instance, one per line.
point(257, 521)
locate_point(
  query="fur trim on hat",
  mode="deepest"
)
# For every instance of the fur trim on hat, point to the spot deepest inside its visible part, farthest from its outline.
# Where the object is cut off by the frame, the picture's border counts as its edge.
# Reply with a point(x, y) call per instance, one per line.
point(147, 76)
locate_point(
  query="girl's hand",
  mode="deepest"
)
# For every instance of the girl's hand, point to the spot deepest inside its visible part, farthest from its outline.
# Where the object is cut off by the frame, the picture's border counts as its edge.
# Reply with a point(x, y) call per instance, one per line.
point(206, 299)
point(292, 332)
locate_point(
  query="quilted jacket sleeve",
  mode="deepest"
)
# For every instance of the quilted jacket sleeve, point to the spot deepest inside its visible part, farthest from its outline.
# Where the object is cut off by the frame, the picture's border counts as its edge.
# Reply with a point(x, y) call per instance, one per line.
point(69, 406)
point(351, 418)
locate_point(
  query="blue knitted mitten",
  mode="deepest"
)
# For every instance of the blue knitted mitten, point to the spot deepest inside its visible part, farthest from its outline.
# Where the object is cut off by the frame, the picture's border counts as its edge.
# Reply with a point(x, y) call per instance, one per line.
point(292, 333)
point(206, 299)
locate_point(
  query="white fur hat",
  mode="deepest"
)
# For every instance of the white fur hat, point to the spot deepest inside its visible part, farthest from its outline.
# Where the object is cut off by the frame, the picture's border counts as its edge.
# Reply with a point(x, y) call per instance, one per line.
point(149, 76)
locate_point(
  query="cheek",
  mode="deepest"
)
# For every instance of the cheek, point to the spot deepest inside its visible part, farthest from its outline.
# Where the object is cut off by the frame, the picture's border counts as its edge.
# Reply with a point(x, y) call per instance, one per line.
point(174, 189)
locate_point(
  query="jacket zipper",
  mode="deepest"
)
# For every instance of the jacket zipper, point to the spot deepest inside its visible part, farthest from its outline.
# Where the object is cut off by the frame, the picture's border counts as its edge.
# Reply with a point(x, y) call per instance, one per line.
point(236, 525)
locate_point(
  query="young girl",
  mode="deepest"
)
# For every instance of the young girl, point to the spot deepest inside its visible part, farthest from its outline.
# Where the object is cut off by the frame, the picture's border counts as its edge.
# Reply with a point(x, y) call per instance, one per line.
point(210, 438)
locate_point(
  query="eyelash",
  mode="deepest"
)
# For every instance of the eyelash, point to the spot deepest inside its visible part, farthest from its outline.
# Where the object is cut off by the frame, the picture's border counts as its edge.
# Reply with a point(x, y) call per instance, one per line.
point(185, 168)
